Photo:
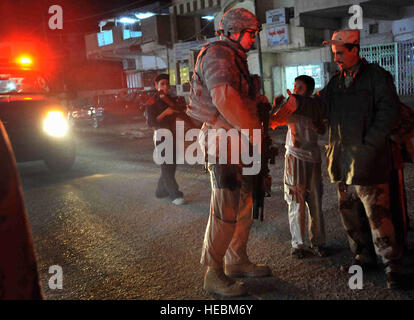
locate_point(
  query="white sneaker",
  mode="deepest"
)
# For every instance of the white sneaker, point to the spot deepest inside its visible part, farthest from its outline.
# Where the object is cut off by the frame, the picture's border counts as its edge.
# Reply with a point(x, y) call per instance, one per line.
point(178, 201)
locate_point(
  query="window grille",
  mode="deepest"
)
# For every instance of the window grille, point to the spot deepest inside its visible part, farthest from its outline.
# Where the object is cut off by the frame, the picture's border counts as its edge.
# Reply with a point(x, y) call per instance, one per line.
point(406, 67)
point(385, 55)
point(397, 58)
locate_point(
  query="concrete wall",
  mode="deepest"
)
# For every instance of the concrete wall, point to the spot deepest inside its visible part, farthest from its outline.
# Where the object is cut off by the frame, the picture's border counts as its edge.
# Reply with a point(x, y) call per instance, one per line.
point(283, 3)
point(152, 62)
point(384, 34)
point(299, 39)
point(91, 42)
point(268, 62)
point(404, 29)
point(304, 57)
point(303, 6)
point(276, 79)
point(265, 5)
point(388, 30)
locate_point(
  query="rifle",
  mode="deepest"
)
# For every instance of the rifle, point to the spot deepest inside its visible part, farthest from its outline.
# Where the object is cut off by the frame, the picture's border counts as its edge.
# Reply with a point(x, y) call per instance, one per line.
point(176, 103)
point(262, 183)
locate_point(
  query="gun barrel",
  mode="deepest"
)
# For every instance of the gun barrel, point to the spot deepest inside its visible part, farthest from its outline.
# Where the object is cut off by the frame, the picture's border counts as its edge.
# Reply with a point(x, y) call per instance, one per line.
point(262, 185)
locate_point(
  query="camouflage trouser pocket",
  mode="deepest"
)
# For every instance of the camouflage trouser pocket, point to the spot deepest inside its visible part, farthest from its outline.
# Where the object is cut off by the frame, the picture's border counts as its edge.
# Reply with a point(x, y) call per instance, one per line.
point(225, 176)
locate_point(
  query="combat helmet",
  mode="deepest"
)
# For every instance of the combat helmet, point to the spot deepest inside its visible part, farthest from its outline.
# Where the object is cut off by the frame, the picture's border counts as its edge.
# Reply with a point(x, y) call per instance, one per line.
point(237, 20)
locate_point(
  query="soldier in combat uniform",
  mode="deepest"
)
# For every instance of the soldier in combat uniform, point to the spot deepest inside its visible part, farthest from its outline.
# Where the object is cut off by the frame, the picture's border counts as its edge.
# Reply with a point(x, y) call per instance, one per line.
point(222, 97)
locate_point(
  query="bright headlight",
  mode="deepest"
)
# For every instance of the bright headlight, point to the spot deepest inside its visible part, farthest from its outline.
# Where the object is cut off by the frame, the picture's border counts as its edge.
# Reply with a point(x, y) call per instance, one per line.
point(55, 124)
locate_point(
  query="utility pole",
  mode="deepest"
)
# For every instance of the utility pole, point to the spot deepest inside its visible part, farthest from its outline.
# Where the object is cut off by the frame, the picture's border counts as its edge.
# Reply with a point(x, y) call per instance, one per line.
point(168, 58)
point(174, 39)
point(259, 49)
point(44, 22)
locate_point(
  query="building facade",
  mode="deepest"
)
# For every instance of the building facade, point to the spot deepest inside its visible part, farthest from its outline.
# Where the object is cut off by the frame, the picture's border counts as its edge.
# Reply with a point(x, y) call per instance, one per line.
point(291, 39)
point(139, 38)
point(387, 38)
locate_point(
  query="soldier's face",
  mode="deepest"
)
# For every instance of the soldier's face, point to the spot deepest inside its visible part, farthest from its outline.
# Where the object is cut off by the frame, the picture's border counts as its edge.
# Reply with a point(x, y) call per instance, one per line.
point(163, 86)
point(344, 58)
point(248, 39)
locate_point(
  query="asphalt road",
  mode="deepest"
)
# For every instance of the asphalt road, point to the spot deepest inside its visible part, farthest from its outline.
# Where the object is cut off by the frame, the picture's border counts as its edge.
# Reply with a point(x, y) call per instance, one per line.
point(114, 240)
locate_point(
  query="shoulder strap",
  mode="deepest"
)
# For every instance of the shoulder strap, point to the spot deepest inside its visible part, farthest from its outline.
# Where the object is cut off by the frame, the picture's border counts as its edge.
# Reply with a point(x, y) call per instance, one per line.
point(203, 52)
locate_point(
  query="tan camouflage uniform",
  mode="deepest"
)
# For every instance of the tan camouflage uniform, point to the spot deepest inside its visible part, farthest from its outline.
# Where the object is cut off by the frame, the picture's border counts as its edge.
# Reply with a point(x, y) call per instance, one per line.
point(230, 219)
point(223, 97)
point(375, 235)
point(231, 198)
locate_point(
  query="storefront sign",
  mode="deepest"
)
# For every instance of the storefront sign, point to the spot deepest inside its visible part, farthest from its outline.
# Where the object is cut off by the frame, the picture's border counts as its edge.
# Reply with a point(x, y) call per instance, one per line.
point(276, 34)
point(276, 16)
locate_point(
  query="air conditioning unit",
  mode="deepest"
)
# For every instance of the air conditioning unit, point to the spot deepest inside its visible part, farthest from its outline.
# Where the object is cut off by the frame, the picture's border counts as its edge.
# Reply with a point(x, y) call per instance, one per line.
point(156, 29)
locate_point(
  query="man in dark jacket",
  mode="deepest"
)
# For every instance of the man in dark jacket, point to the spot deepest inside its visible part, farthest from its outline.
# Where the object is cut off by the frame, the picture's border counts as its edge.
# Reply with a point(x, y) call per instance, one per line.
point(162, 114)
point(361, 105)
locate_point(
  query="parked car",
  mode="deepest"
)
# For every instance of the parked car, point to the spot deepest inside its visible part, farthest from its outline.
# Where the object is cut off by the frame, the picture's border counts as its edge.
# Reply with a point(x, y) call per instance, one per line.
point(83, 113)
point(119, 108)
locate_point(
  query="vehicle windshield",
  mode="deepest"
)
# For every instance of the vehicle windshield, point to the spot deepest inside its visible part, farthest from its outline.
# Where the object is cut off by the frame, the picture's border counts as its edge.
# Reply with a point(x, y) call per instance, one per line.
point(22, 82)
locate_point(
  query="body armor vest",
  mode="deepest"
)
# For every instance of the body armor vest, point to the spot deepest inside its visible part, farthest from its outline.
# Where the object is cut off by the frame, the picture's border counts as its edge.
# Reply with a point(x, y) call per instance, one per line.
point(201, 106)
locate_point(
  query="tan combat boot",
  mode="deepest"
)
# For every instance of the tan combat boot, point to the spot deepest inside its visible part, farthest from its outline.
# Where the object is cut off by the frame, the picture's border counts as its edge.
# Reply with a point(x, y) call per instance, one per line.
point(247, 270)
point(215, 281)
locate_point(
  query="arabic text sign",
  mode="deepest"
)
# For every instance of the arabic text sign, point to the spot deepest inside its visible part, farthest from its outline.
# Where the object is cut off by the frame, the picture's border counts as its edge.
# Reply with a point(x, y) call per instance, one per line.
point(277, 35)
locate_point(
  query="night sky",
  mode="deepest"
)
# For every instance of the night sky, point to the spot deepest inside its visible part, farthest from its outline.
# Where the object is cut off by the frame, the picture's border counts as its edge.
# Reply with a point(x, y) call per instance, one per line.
point(79, 16)
point(27, 20)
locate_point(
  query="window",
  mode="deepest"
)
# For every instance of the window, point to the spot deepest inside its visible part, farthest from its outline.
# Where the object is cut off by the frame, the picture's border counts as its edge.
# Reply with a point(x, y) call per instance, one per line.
point(373, 28)
point(134, 80)
point(184, 74)
point(105, 38)
point(23, 82)
point(312, 70)
point(172, 77)
point(131, 34)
